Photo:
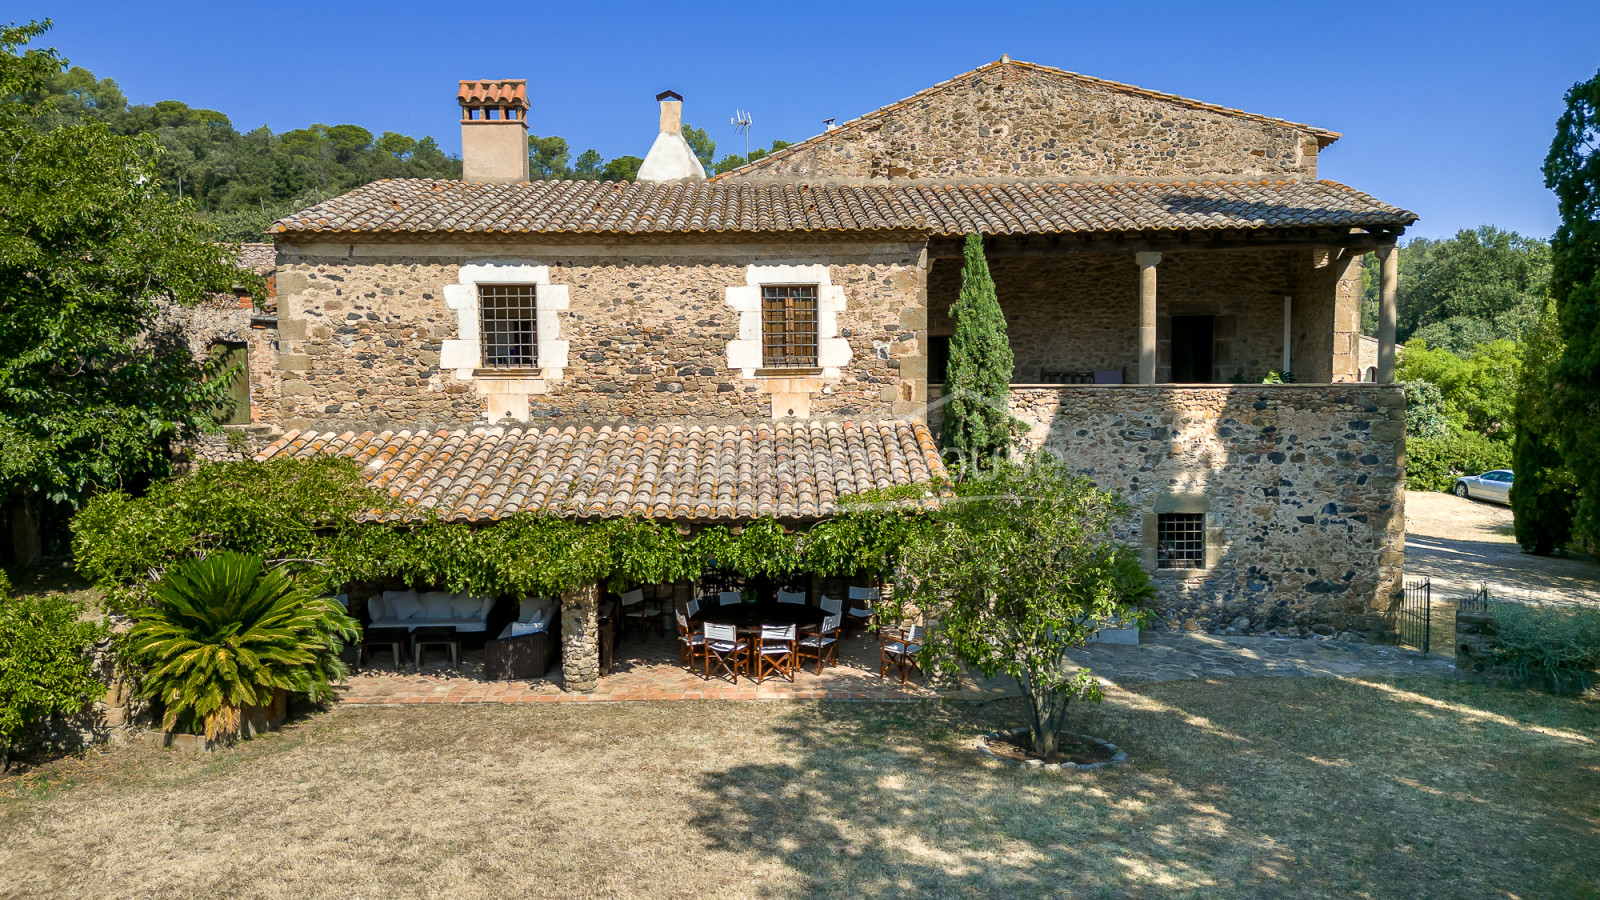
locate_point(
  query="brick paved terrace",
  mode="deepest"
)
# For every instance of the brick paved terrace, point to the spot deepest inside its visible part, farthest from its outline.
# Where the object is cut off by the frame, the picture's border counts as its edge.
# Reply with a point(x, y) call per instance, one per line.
point(646, 669)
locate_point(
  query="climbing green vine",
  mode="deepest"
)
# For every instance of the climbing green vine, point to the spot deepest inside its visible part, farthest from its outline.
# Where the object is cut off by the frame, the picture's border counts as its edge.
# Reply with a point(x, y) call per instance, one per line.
point(320, 521)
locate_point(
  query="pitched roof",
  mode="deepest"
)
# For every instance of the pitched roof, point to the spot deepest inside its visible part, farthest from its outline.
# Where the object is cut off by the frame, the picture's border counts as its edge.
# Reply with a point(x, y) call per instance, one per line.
point(789, 469)
point(429, 206)
point(1324, 136)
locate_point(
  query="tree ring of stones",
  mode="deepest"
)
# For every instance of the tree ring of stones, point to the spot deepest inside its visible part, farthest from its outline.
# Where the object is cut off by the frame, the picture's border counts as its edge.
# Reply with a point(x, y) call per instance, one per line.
point(1118, 757)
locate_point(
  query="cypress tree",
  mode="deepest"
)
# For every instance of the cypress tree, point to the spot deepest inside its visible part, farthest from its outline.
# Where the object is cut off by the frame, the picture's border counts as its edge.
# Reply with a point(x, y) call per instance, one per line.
point(1544, 494)
point(1572, 170)
point(977, 420)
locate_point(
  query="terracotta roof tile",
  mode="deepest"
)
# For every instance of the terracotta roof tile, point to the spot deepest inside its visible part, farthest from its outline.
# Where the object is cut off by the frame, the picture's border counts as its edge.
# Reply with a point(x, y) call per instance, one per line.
point(789, 470)
point(493, 92)
point(412, 206)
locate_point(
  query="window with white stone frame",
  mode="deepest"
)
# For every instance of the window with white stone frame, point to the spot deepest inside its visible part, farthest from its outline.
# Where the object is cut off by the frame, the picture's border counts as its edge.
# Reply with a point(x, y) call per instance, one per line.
point(508, 325)
point(508, 334)
point(789, 327)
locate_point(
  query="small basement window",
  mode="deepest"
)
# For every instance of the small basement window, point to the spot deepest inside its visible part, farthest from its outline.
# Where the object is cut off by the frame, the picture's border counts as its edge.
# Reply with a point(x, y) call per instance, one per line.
point(1181, 541)
point(789, 326)
point(508, 325)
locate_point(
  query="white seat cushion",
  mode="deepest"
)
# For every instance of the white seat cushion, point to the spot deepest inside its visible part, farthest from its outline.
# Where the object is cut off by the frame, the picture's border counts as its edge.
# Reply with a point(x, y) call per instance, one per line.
point(861, 613)
point(725, 646)
point(767, 651)
point(693, 639)
point(436, 605)
point(465, 606)
point(899, 648)
point(529, 628)
point(816, 641)
point(402, 604)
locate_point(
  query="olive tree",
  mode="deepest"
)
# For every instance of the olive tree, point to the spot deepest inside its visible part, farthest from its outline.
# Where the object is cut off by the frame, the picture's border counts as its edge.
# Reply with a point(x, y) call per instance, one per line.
point(1013, 568)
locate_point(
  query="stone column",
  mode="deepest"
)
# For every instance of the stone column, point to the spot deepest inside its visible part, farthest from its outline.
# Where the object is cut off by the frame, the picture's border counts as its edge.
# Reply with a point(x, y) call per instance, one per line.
point(1288, 332)
point(1147, 315)
point(1388, 282)
point(580, 638)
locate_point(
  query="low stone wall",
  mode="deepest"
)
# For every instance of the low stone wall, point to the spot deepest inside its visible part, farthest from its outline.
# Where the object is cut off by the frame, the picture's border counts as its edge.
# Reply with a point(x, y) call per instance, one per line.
point(235, 443)
point(1302, 488)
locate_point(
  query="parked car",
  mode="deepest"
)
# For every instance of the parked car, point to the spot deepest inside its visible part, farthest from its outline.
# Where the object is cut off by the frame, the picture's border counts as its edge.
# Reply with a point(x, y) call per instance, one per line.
point(1492, 485)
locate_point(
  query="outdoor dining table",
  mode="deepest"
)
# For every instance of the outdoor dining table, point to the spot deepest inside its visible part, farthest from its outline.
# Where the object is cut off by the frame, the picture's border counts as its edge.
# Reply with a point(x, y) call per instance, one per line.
point(749, 617)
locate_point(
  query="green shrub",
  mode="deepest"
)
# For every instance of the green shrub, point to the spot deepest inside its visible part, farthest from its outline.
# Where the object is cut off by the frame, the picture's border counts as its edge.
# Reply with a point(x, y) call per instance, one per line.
point(225, 633)
point(45, 664)
point(1546, 638)
point(1433, 464)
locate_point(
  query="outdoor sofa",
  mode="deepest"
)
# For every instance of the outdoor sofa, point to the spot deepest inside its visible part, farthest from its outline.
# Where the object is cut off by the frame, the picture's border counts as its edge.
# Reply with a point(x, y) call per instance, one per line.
point(434, 609)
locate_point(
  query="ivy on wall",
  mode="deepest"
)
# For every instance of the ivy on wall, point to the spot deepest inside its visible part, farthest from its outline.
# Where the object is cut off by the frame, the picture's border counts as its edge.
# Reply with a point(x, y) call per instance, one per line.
point(321, 521)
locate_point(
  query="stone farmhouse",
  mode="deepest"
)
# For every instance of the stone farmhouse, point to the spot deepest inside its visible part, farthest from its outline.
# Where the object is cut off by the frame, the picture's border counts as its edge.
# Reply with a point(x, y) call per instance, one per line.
point(756, 344)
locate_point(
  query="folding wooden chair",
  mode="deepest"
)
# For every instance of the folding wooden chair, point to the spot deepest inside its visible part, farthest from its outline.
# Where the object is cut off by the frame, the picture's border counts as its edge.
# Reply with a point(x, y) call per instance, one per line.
point(723, 646)
point(634, 611)
point(901, 652)
point(691, 644)
point(775, 653)
point(821, 646)
point(860, 612)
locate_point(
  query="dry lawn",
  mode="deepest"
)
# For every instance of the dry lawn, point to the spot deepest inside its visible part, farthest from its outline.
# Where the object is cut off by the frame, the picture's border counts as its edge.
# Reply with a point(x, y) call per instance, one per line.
point(1271, 787)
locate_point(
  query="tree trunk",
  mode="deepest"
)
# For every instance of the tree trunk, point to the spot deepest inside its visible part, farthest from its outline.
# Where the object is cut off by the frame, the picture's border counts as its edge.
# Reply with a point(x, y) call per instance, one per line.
point(1047, 713)
point(26, 545)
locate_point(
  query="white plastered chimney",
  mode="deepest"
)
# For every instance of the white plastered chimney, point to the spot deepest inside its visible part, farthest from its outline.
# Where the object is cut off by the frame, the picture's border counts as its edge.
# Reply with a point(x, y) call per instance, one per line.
point(671, 160)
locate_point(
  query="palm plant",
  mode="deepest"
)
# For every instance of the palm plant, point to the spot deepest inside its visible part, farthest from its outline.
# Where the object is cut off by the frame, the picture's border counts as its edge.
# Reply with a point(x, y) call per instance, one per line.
point(225, 632)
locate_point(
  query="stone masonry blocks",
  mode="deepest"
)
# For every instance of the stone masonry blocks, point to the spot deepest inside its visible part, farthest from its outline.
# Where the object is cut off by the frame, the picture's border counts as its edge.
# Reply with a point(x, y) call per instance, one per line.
point(580, 644)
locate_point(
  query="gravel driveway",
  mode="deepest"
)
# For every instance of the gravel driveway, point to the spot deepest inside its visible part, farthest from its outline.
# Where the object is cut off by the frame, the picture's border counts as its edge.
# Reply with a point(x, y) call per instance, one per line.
point(1462, 544)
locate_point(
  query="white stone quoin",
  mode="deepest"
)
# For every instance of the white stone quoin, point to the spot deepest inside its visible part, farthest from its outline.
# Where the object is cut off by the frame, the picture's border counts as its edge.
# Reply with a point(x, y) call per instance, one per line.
point(507, 394)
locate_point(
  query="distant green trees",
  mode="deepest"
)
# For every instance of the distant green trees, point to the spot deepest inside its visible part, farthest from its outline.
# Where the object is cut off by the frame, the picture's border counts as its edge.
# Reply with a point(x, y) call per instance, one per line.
point(1482, 285)
point(243, 181)
point(1459, 410)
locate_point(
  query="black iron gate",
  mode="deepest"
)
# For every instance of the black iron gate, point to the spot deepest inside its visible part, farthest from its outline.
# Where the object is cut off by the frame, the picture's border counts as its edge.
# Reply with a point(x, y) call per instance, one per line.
point(1415, 620)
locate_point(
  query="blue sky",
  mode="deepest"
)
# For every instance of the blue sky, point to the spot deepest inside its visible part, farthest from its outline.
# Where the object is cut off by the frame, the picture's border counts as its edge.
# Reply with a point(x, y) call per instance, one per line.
point(1447, 108)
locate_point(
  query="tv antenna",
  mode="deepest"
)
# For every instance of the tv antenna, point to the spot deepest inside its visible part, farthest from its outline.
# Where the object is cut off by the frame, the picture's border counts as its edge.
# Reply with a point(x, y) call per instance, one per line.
point(741, 123)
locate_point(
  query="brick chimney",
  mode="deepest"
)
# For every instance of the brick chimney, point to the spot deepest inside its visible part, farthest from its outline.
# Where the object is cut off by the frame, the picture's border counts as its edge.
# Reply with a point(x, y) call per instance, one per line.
point(494, 130)
point(671, 159)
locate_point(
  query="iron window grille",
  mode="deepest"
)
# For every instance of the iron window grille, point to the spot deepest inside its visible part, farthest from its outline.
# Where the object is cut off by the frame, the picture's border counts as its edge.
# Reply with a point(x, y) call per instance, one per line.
point(508, 325)
point(1181, 541)
point(789, 326)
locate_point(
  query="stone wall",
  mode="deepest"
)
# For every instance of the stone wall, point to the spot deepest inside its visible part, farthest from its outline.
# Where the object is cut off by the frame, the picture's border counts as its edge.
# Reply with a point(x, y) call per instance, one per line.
point(648, 328)
point(1023, 121)
point(229, 319)
point(1081, 312)
point(235, 443)
point(1302, 487)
